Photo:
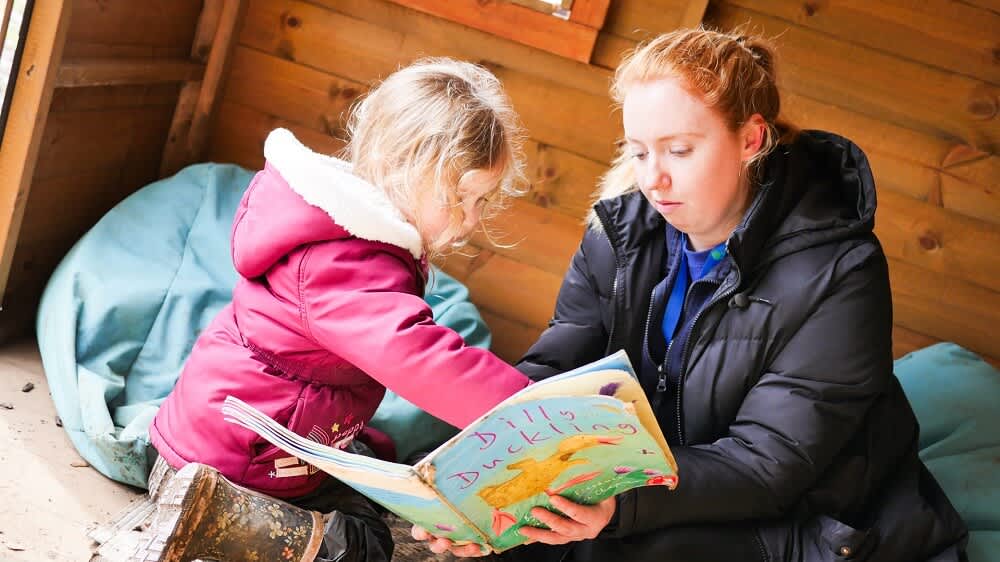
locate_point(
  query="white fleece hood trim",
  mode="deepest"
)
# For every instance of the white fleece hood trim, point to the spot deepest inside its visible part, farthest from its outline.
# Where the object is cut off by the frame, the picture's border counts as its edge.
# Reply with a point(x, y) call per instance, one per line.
point(328, 183)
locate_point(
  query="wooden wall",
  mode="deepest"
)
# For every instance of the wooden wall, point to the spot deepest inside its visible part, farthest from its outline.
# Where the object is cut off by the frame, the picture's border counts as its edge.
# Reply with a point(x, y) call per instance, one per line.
point(916, 87)
point(100, 143)
point(299, 64)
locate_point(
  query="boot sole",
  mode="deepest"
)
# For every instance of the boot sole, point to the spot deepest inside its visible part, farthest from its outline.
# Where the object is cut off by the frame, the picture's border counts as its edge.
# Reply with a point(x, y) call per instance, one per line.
point(190, 495)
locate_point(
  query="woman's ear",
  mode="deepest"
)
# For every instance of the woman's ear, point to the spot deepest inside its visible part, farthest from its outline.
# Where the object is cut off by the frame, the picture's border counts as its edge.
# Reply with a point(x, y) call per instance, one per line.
point(752, 136)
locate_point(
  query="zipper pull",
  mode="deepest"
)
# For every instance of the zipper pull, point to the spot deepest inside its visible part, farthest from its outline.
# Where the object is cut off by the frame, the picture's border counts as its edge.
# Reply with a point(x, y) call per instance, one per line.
point(661, 385)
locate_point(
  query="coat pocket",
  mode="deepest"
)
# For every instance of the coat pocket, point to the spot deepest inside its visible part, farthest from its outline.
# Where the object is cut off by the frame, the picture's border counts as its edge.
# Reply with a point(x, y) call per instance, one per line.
point(842, 541)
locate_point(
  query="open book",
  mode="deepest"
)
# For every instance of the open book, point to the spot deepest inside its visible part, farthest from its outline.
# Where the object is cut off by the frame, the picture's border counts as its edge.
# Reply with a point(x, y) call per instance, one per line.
point(587, 434)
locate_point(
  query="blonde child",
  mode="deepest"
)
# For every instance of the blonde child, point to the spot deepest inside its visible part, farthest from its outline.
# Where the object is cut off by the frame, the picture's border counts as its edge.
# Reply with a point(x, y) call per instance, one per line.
point(328, 313)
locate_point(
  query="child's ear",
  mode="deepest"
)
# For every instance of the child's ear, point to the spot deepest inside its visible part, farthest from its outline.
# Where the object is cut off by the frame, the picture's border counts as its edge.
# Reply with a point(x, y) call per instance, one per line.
point(752, 135)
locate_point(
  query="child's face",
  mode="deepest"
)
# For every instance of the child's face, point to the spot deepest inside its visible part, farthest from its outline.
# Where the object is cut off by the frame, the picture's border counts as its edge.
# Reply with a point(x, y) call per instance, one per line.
point(474, 189)
point(687, 161)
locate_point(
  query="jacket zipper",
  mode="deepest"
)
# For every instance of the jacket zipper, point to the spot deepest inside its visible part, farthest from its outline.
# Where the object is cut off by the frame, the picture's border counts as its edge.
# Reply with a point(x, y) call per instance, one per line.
point(605, 223)
point(687, 350)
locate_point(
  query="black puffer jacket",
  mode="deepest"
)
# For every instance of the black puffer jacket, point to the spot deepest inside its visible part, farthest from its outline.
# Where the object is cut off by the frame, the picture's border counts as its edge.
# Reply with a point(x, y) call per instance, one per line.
point(791, 422)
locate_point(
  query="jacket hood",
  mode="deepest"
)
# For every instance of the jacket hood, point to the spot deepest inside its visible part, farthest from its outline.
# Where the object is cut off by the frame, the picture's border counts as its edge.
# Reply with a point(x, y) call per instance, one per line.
point(816, 190)
point(304, 197)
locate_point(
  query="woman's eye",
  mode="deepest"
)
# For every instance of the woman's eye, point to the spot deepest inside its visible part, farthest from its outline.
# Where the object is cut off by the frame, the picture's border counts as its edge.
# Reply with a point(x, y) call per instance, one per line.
point(680, 151)
point(639, 155)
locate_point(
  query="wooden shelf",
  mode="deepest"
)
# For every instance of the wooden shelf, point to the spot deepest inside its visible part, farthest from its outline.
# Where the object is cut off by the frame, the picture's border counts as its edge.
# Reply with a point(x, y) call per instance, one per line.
point(80, 72)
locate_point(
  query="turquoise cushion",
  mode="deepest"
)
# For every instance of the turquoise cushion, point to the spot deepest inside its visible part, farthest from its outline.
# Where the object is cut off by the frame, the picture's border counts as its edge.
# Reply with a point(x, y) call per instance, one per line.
point(122, 310)
point(955, 395)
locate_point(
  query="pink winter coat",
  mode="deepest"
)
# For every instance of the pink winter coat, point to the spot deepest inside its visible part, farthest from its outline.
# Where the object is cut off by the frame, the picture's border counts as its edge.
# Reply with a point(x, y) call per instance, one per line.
point(327, 314)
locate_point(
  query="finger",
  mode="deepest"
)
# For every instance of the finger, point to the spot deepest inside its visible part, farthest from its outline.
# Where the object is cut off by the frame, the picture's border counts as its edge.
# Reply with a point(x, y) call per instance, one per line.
point(557, 523)
point(440, 546)
point(544, 536)
point(420, 534)
point(469, 551)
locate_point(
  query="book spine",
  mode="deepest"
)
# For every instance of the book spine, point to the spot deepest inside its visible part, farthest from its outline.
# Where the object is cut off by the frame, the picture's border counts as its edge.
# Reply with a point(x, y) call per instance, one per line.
point(426, 473)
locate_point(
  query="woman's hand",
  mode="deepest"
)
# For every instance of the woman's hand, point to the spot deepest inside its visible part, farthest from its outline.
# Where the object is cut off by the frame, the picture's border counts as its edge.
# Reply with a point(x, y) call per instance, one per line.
point(439, 545)
point(581, 522)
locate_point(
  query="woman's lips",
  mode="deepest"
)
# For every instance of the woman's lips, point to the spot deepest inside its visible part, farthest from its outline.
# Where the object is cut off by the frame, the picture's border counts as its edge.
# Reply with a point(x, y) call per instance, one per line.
point(667, 206)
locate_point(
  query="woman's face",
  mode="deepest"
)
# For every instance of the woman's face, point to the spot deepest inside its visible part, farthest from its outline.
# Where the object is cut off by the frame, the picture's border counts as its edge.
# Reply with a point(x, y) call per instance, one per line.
point(687, 161)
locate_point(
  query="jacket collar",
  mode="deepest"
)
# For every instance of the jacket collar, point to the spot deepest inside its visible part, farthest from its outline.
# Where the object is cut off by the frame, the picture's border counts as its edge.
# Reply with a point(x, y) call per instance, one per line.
point(328, 183)
point(815, 190)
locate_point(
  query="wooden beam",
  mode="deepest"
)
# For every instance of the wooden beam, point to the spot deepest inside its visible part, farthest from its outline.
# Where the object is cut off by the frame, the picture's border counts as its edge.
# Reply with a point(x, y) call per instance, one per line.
point(82, 72)
point(215, 72)
point(213, 42)
point(590, 13)
point(517, 23)
point(26, 120)
point(175, 154)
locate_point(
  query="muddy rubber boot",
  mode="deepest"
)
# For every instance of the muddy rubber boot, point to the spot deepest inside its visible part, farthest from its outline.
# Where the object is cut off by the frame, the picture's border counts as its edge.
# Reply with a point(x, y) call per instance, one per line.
point(201, 515)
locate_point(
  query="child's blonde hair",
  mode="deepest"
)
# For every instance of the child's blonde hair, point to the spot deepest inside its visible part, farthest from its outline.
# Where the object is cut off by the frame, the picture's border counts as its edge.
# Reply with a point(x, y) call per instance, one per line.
point(732, 73)
point(429, 126)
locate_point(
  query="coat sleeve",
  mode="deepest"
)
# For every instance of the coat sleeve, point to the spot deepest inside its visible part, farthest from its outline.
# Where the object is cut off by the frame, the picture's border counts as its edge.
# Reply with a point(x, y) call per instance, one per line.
point(360, 305)
point(810, 401)
point(576, 334)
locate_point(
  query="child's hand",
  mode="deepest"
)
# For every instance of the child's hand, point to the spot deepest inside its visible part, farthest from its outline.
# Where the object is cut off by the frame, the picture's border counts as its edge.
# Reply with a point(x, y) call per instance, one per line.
point(581, 522)
point(439, 545)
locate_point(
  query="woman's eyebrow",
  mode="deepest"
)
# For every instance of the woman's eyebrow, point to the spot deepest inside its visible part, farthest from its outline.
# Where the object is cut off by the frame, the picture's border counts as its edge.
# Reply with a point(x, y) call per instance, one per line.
point(670, 136)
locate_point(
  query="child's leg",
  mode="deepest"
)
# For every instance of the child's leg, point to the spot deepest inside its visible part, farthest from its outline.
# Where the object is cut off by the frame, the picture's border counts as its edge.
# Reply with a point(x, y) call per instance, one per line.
point(355, 530)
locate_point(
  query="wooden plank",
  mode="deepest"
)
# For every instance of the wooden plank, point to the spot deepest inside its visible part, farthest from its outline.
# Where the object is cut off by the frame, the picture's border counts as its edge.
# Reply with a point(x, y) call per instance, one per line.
point(905, 341)
point(175, 151)
point(511, 339)
point(74, 73)
point(83, 141)
point(870, 82)
point(161, 23)
point(560, 180)
point(296, 93)
point(524, 293)
point(537, 237)
point(517, 23)
point(610, 49)
point(952, 36)
point(945, 307)
point(938, 240)
point(642, 19)
point(977, 201)
point(216, 68)
point(29, 108)
point(109, 97)
point(591, 13)
point(367, 39)
point(973, 166)
point(240, 132)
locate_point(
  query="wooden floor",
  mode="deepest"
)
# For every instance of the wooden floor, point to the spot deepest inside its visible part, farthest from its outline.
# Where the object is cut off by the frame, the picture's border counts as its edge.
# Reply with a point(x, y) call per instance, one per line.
point(47, 504)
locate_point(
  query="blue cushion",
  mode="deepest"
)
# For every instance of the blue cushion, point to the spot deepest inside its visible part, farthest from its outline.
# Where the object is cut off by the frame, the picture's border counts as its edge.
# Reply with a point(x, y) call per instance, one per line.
point(124, 307)
point(955, 395)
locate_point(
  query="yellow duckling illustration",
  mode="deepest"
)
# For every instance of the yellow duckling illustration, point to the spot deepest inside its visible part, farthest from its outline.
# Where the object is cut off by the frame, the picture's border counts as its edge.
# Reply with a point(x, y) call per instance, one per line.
point(537, 476)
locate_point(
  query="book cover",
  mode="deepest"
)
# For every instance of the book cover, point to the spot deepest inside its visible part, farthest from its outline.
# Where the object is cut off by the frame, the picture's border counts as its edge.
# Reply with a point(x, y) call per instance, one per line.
point(587, 434)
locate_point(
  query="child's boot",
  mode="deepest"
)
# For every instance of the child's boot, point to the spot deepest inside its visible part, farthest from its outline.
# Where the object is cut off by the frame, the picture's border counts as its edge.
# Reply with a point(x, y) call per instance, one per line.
point(201, 515)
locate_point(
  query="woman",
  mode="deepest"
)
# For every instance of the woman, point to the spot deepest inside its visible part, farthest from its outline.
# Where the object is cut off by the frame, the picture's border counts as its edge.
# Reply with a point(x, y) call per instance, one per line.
point(734, 260)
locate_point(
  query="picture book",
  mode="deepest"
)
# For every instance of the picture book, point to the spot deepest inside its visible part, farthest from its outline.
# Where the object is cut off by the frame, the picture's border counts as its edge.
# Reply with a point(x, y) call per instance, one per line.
point(586, 434)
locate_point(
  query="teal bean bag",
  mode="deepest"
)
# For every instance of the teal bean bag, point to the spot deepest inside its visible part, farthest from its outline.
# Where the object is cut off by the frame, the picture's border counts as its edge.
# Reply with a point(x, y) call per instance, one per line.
point(124, 307)
point(955, 395)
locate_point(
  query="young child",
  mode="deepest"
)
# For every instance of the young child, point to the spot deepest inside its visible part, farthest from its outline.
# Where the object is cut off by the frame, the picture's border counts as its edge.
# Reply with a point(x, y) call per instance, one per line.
point(328, 313)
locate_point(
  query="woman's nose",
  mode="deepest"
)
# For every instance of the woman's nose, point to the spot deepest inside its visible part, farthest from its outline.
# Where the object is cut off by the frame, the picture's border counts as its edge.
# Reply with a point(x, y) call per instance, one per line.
point(656, 174)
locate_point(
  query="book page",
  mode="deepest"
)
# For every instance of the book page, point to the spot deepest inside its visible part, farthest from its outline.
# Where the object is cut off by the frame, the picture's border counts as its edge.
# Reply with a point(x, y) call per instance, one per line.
point(586, 448)
point(397, 487)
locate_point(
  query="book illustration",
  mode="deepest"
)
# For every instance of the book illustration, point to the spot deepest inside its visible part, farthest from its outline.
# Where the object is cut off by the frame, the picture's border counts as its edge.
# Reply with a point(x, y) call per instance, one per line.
point(585, 435)
point(585, 448)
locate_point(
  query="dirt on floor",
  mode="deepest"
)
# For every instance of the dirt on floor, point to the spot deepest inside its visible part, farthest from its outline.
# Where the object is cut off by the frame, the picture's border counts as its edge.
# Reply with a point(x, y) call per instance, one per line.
point(49, 497)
